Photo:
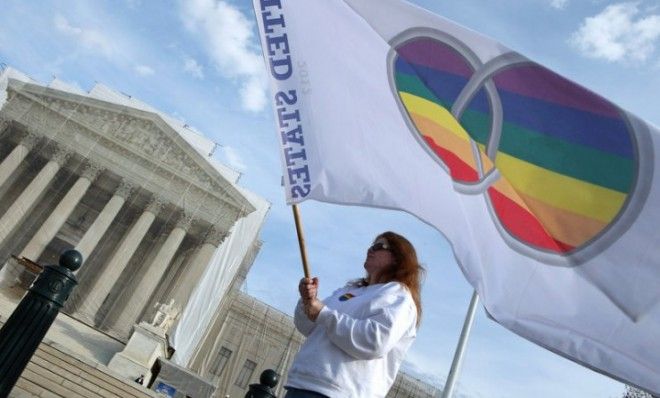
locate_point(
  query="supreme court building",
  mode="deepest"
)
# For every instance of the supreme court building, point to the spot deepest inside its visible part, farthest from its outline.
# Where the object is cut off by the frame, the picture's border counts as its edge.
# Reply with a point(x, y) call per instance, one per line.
point(164, 230)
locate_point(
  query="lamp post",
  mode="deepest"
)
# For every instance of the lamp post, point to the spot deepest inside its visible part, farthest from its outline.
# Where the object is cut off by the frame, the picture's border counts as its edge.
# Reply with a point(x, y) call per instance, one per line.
point(28, 324)
point(267, 382)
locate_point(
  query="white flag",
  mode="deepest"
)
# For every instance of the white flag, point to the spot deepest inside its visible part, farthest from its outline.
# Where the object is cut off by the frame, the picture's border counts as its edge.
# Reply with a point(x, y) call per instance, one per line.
point(547, 192)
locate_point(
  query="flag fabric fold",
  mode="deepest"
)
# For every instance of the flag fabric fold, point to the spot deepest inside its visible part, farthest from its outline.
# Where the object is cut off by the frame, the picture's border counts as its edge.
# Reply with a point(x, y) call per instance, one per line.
point(547, 192)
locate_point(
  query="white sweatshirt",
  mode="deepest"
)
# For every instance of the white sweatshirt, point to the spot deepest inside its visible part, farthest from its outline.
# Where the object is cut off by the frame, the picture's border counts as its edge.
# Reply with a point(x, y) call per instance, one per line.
point(356, 345)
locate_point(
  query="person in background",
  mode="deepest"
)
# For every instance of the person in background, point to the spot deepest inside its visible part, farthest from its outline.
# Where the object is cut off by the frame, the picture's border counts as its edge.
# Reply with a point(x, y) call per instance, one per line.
point(357, 338)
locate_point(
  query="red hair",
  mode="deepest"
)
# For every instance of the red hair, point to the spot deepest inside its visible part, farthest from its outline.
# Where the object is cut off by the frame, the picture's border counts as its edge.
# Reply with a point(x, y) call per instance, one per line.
point(406, 269)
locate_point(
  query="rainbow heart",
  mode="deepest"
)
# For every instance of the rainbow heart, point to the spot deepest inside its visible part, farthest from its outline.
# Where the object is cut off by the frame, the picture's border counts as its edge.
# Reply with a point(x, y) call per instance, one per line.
point(568, 160)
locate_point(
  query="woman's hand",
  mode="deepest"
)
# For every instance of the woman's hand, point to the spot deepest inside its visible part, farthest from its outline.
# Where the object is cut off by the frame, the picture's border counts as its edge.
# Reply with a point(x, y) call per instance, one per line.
point(308, 289)
point(312, 308)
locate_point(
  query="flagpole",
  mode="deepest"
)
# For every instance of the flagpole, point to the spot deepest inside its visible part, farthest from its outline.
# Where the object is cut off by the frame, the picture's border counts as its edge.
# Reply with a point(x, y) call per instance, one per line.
point(301, 239)
point(448, 390)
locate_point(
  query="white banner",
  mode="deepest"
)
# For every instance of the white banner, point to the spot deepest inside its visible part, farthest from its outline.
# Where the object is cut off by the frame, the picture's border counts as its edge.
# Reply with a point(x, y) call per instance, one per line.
point(546, 191)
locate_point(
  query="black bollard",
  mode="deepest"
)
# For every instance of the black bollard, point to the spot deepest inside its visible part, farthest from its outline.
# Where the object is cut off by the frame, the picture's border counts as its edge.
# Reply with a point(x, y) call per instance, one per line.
point(267, 382)
point(28, 324)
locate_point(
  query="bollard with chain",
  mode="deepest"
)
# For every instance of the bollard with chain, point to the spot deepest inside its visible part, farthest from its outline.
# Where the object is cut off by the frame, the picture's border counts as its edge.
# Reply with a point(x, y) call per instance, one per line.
point(264, 389)
point(28, 324)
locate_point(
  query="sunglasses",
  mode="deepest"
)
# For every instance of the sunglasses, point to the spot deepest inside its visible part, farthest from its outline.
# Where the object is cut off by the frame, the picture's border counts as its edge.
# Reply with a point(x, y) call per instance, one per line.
point(379, 246)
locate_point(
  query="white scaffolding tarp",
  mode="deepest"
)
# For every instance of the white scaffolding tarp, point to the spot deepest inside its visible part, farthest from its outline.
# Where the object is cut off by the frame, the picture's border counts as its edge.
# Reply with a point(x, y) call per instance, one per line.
point(10, 73)
point(214, 284)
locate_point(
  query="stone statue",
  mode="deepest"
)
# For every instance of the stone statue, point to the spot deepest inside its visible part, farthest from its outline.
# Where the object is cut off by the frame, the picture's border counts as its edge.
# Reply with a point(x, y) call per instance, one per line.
point(165, 316)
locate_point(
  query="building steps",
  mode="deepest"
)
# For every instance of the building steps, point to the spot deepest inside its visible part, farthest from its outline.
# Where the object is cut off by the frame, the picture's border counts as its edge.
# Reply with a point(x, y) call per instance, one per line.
point(56, 372)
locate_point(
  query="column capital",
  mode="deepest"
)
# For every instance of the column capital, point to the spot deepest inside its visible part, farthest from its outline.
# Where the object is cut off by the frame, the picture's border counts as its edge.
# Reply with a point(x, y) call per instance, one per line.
point(155, 204)
point(124, 189)
point(215, 236)
point(91, 171)
point(185, 221)
point(30, 140)
point(4, 123)
point(58, 154)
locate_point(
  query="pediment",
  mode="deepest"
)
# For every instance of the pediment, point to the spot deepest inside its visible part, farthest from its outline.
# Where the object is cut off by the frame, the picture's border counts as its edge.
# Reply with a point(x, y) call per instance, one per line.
point(134, 141)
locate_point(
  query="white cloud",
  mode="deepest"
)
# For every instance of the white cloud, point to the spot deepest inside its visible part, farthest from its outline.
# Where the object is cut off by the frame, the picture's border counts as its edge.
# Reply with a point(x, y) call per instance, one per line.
point(63, 25)
point(227, 36)
point(143, 70)
point(253, 95)
point(191, 66)
point(91, 39)
point(558, 4)
point(88, 30)
point(234, 159)
point(620, 33)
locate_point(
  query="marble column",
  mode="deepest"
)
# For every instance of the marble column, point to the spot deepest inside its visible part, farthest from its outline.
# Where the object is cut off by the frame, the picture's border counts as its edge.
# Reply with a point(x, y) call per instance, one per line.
point(60, 214)
point(153, 275)
point(195, 269)
point(14, 159)
point(120, 258)
point(30, 195)
point(102, 222)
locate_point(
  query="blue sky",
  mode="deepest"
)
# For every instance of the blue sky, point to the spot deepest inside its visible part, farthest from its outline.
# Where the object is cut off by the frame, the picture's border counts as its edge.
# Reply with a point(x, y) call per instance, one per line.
point(199, 61)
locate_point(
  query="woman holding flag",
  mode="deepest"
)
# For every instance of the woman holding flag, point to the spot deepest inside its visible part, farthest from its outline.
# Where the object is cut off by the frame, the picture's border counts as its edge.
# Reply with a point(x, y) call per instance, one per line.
point(357, 337)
